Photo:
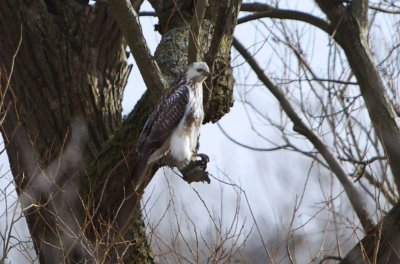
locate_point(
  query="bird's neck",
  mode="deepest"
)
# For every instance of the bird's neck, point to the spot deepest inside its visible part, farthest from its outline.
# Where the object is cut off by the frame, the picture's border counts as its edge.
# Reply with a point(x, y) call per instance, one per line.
point(194, 85)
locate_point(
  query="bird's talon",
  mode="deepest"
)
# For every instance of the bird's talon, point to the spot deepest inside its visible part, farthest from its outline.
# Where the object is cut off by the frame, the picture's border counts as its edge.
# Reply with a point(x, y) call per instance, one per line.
point(203, 158)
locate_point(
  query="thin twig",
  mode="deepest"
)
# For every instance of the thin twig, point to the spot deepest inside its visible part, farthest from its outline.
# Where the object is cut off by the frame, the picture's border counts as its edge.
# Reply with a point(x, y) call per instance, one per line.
point(383, 10)
point(247, 146)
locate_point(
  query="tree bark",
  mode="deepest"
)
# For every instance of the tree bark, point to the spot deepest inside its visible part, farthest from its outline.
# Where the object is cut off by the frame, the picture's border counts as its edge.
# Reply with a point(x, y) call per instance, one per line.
point(63, 101)
point(70, 151)
point(381, 245)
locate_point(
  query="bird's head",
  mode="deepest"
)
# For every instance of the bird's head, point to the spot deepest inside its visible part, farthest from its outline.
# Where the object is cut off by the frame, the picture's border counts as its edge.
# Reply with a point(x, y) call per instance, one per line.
point(197, 71)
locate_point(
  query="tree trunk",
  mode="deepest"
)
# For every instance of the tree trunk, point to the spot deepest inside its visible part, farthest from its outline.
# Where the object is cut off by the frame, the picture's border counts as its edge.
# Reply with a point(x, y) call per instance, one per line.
point(63, 101)
point(70, 151)
point(381, 245)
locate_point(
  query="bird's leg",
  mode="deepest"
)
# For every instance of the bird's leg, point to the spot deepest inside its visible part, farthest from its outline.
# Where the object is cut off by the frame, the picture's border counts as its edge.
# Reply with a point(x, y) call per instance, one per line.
point(195, 171)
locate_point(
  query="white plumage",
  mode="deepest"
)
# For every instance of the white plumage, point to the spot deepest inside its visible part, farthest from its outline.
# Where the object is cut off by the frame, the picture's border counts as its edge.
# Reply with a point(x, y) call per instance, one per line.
point(174, 126)
point(185, 136)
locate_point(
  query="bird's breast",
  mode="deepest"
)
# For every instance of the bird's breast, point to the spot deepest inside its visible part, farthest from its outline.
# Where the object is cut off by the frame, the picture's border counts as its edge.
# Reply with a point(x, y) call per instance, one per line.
point(194, 110)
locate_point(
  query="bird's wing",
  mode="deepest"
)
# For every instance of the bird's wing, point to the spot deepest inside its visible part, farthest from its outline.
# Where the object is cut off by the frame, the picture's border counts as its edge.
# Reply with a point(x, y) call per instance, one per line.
point(164, 119)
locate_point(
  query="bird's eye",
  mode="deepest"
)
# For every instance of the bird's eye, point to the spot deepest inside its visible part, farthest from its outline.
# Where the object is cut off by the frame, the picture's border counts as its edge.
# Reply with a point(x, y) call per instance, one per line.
point(200, 70)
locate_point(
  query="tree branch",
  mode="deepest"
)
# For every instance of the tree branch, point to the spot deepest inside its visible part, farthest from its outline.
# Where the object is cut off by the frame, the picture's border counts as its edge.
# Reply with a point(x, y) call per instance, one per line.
point(355, 45)
point(247, 146)
point(128, 21)
point(355, 197)
point(381, 245)
point(359, 8)
point(255, 7)
point(383, 10)
point(264, 10)
point(194, 33)
point(287, 14)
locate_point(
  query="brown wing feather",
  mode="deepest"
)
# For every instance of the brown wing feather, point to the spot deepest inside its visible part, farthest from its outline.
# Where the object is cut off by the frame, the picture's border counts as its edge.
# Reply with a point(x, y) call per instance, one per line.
point(164, 119)
point(159, 126)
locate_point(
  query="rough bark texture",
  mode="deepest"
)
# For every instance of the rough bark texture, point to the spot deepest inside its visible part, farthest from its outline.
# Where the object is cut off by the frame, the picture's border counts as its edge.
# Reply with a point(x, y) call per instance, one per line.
point(70, 151)
point(65, 96)
point(64, 74)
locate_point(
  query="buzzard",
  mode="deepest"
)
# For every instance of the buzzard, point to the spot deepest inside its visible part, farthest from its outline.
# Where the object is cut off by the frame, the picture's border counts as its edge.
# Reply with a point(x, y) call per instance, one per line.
point(173, 127)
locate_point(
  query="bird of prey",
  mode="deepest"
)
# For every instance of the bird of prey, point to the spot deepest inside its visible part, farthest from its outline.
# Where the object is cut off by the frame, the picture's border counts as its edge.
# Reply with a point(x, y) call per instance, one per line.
point(173, 128)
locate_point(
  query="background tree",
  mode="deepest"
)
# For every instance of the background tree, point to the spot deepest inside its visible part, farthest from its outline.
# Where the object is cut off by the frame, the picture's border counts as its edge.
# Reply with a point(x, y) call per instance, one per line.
point(64, 69)
point(349, 26)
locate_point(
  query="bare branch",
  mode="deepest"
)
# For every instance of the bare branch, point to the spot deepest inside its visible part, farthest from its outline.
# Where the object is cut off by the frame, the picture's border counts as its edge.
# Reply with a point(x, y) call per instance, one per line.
point(147, 13)
point(263, 10)
point(128, 21)
point(353, 40)
point(255, 7)
point(383, 10)
point(247, 146)
point(355, 197)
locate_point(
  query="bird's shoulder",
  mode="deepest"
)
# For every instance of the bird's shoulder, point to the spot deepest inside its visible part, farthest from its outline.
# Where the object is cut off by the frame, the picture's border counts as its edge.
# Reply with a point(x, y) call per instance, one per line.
point(167, 113)
point(174, 98)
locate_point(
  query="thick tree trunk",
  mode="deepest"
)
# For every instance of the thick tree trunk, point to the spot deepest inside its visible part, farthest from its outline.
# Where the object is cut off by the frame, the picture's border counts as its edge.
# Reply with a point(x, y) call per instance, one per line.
point(63, 102)
point(62, 105)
